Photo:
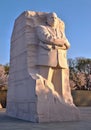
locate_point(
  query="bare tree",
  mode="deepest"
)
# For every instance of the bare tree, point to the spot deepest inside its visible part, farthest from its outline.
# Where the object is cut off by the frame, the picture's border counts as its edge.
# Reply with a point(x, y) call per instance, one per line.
point(79, 72)
point(3, 77)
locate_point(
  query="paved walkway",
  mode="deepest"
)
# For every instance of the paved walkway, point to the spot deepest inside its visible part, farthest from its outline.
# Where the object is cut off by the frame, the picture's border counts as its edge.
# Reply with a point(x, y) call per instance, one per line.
point(8, 123)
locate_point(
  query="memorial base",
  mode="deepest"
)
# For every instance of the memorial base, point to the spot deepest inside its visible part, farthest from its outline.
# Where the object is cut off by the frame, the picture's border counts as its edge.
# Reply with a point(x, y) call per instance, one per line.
point(45, 106)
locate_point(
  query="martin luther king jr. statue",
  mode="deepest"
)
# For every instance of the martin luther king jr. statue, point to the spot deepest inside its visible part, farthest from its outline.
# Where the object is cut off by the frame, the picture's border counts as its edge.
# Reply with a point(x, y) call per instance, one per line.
point(38, 85)
point(52, 55)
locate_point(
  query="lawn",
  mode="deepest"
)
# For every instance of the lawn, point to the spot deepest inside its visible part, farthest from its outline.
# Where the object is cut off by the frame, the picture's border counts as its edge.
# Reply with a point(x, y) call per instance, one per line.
point(81, 97)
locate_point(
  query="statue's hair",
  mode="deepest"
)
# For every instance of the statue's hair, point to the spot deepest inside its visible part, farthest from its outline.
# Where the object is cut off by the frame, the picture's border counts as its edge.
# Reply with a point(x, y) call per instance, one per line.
point(61, 24)
point(52, 13)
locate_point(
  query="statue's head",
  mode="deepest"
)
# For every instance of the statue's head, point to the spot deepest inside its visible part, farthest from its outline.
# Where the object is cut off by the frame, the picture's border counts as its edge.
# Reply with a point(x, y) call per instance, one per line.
point(52, 19)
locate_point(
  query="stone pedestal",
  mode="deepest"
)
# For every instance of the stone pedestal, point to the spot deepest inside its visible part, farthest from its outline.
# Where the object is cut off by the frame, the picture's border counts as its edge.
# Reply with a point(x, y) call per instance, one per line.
point(30, 97)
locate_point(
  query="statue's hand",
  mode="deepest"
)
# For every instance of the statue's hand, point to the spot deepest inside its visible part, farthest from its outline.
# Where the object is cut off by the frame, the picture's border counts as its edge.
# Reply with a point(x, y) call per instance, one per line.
point(59, 42)
point(63, 43)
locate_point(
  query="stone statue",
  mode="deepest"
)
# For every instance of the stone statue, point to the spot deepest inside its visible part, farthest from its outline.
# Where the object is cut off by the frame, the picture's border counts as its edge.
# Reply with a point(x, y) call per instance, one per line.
point(52, 41)
point(52, 55)
point(39, 89)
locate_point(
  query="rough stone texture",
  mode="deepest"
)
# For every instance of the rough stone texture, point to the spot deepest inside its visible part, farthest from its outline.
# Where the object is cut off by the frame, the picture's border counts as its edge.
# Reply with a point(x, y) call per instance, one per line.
point(30, 96)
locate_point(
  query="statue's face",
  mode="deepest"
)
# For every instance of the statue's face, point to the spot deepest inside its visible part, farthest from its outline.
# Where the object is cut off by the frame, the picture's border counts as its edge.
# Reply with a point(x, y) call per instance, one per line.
point(52, 19)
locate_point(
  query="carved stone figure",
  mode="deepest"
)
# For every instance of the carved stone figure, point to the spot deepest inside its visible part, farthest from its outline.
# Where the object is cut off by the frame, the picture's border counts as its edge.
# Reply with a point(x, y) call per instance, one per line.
point(39, 88)
point(52, 55)
point(52, 40)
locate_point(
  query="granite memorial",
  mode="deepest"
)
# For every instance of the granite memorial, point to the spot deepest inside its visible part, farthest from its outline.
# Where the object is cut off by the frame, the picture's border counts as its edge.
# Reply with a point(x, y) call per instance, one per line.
point(38, 87)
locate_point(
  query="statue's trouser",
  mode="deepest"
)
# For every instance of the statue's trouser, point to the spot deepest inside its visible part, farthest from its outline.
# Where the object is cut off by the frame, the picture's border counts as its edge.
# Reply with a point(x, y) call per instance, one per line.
point(60, 79)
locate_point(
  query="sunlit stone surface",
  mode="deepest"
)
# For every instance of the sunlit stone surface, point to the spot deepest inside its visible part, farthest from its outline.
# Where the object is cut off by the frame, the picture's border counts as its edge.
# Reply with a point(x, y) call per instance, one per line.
point(38, 89)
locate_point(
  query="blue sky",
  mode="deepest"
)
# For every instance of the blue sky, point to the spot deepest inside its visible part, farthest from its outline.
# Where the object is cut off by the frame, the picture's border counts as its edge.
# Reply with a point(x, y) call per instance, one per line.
point(75, 13)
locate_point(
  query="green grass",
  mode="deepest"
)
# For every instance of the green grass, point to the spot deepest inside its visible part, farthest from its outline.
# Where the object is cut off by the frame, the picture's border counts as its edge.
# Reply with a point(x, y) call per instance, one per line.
point(81, 97)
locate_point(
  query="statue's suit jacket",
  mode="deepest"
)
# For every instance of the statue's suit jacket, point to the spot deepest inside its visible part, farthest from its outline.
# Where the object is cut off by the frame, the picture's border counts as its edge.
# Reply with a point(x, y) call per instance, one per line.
point(47, 55)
